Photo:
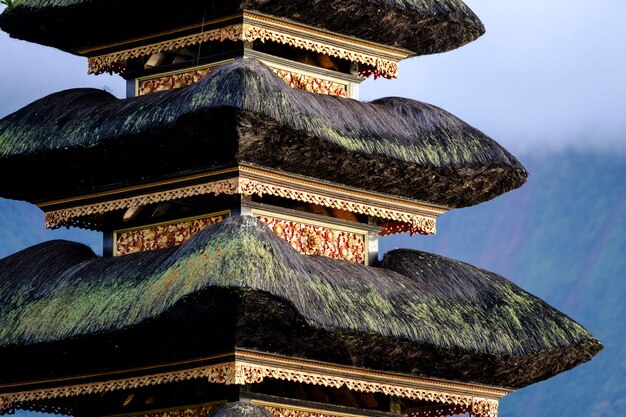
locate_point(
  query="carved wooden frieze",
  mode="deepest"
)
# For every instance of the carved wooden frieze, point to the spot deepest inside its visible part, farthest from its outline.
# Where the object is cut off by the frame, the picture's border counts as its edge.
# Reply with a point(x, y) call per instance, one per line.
point(320, 240)
point(373, 59)
point(172, 81)
point(312, 84)
point(160, 236)
point(483, 401)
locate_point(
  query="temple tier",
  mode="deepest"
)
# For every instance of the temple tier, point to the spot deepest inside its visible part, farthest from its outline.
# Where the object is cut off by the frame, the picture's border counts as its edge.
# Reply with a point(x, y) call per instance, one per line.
point(241, 189)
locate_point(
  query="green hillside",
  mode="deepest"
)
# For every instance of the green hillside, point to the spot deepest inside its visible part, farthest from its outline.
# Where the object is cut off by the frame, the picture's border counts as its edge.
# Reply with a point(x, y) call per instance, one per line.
point(562, 237)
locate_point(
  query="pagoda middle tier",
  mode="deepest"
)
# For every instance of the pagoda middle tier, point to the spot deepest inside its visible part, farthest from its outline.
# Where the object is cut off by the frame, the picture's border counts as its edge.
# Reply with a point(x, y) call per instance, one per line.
point(242, 140)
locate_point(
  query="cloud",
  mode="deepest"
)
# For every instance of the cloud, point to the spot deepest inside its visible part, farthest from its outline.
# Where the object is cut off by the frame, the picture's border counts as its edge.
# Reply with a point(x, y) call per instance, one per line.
point(547, 75)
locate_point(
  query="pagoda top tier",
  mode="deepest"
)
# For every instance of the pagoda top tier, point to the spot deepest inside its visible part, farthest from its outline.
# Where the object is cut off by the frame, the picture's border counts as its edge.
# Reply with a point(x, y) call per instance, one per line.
point(418, 26)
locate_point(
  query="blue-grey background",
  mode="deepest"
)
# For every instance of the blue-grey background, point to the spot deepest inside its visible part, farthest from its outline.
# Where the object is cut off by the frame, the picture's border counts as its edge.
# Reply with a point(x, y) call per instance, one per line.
point(548, 81)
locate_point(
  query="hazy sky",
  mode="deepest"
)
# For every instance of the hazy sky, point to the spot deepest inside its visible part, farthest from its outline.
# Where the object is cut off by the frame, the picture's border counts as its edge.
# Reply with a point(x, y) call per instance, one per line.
point(547, 74)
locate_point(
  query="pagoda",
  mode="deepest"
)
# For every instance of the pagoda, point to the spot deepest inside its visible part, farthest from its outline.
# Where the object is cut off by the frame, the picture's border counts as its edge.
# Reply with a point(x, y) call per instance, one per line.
point(241, 189)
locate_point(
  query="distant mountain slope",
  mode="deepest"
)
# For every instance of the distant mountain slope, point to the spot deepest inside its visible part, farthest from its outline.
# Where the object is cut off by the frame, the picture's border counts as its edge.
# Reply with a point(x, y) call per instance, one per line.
point(562, 237)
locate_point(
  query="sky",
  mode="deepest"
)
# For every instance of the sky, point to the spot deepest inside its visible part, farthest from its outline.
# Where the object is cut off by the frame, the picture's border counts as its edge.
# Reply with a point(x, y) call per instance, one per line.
point(546, 75)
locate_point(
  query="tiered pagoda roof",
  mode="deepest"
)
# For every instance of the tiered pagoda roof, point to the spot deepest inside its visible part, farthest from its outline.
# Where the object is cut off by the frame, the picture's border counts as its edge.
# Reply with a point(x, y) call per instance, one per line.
point(238, 286)
point(243, 113)
point(419, 26)
point(240, 156)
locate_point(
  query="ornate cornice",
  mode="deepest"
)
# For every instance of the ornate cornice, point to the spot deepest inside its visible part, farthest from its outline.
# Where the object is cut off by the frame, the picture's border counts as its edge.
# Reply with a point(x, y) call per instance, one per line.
point(248, 368)
point(376, 59)
point(411, 217)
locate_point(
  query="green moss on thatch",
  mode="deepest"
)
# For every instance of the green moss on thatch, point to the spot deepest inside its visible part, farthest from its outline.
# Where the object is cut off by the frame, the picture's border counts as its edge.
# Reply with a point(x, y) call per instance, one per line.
point(240, 409)
point(59, 290)
point(448, 161)
point(421, 26)
point(399, 128)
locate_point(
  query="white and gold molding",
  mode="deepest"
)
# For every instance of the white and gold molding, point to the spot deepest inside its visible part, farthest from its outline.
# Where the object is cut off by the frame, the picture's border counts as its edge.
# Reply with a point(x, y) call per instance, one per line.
point(381, 61)
point(413, 217)
point(250, 367)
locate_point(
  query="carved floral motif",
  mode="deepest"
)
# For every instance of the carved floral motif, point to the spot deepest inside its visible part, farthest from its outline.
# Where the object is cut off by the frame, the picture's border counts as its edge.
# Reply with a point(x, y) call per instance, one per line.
point(319, 240)
point(242, 373)
point(414, 223)
point(116, 61)
point(293, 79)
point(173, 81)
point(162, 236)
point(312, 84)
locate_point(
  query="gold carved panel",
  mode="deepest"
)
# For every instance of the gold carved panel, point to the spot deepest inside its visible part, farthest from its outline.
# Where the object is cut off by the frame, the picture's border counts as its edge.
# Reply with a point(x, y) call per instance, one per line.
point(171, 81)
point(312, 84)
point(293, 79)
point(321, 240)
point(161, 235)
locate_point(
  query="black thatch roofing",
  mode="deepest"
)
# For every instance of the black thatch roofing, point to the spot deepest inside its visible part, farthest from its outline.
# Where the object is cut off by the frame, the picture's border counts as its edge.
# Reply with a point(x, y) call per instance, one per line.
point(77, 141)
point(240, 409)
point(422, 26)
point(238, 284)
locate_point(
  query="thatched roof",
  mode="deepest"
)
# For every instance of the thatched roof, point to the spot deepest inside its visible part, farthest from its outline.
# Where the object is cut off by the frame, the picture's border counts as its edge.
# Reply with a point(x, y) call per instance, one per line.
point(239, 284)
point(421, 26)
point(80, 140)
point(241, 409)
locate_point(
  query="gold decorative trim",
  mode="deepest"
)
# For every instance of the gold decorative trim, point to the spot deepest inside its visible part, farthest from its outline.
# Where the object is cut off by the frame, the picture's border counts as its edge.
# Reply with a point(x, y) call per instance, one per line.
point(59, 218)
point(320, 240)
point(241, 372)
point(382, 67)
point(257, 373)
point(221, 374)
point(244, 186)
point(171, 82)
point(292, 180)
point(422, 224)
point(249, 171)
point(115, 61)
point(245, 32)
point(134, 188)
point(309, 30)
point(89, 51)
point(162, 235)
point(312, 84)
point(175, 79)
point(262, 18)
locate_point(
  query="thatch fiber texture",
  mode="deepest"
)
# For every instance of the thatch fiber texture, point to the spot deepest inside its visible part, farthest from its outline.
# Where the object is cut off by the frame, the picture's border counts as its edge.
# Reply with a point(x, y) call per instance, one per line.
point(240, 409)
point(242, 112)
point(420, 312)
point(421, 26)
